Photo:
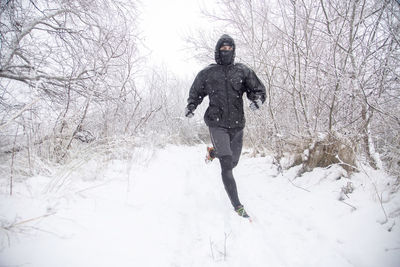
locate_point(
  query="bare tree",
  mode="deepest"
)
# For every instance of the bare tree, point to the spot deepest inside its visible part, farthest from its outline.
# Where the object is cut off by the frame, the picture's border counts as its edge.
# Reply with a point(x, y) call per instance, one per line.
point(62, 65)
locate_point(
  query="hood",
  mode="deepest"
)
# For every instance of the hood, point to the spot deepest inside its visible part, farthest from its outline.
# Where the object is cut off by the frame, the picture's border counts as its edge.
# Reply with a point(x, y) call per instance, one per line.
point(224, 39)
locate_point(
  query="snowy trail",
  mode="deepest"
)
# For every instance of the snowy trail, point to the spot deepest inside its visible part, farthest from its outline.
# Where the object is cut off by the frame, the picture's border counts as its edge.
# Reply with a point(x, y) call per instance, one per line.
point(175, 212)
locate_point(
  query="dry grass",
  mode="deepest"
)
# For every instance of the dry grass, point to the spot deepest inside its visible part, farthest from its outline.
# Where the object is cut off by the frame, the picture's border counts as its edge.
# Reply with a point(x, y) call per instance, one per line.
point(328, 151)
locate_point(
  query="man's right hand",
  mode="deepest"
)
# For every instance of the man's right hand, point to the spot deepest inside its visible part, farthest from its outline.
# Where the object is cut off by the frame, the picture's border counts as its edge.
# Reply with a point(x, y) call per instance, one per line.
point(188, 113)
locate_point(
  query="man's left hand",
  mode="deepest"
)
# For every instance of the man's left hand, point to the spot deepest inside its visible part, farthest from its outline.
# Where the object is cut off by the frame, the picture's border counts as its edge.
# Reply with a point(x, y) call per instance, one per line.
point(255, 104)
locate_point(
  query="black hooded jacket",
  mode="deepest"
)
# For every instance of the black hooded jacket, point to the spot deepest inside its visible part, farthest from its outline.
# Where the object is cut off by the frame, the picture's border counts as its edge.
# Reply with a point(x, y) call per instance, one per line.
point(225, 83)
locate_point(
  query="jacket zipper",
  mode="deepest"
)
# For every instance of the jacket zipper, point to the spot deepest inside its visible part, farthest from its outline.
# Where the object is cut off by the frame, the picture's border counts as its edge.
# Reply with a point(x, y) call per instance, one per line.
point(227, 96)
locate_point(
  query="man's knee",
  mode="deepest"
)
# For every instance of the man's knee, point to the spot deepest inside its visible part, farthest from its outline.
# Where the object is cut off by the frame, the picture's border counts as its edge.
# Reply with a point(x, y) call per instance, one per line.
point(234, 164)
point(226, 163)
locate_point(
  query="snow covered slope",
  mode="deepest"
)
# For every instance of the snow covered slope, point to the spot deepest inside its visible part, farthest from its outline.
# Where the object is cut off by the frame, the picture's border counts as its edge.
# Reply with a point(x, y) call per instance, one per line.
point(173, 211)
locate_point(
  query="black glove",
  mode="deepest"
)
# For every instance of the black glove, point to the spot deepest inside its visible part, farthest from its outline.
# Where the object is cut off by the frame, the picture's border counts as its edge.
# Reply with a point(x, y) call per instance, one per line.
point(188, 113)
point(255, 104)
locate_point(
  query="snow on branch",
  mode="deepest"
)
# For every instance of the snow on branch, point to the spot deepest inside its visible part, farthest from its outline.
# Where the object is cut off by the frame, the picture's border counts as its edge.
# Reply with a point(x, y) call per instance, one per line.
point(26, 30)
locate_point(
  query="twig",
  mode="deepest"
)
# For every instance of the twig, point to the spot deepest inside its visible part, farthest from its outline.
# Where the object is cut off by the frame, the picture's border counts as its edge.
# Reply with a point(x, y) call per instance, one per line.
point(298, 186)
point(391, 227)
point(341, 162)
point(381, 202)
point(379, 196)
point(28, 220)
point(354, 208)
point(295, 184)
point(91, 187)
point(8, 238)
point(12, 163)
point(27, 106)
point(226, 238)
point(211, 248)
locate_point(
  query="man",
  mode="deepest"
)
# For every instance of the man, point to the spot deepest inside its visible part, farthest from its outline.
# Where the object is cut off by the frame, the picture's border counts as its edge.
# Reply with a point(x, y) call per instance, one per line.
point(225, 83)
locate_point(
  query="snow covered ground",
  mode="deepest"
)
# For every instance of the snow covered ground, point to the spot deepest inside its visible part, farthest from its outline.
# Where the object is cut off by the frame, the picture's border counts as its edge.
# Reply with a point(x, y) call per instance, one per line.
point(172, 210)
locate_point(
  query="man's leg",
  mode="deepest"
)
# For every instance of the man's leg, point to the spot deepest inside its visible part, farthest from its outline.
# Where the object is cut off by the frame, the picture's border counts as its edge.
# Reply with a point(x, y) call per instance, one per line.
point(236, 145)
point(229, 180)
point(222, 142)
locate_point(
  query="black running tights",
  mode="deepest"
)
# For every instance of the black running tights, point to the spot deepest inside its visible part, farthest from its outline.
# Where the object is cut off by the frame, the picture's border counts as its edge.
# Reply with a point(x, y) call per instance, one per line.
point(229, 180)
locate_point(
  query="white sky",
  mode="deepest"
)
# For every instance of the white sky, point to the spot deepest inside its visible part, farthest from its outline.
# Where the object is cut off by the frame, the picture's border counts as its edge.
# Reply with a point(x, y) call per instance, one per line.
point(164, 24)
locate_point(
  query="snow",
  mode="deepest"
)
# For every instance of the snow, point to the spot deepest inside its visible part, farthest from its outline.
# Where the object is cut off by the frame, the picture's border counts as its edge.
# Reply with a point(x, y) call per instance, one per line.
point(171, 210)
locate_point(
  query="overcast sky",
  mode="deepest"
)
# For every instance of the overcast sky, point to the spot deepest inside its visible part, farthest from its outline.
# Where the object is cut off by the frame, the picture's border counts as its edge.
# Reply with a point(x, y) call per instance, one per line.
point(164, 24)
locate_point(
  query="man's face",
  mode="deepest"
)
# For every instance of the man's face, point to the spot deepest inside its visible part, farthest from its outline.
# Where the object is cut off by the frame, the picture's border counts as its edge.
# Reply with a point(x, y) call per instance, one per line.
point(226, 48)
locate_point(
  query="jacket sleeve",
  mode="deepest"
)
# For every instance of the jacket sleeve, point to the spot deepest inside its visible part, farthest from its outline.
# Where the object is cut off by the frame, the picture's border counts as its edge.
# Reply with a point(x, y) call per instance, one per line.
point(255, 89)
point(197, 92)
